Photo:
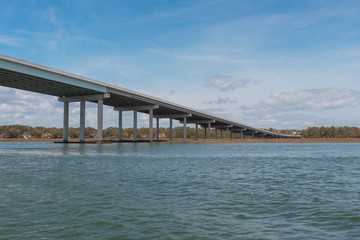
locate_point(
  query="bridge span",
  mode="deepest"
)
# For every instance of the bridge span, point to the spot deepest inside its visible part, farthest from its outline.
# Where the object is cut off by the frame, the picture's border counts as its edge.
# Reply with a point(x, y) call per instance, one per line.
point(20, 74)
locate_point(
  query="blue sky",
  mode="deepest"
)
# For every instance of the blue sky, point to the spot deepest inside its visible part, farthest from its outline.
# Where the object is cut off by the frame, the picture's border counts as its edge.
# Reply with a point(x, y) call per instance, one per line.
point(282, 64)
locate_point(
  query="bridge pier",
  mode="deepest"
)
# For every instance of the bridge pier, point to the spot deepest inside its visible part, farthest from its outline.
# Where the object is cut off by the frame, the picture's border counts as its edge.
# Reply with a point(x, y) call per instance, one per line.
point(135, 126)
point(183, 116)
point(151, 113)
point(209, 133)
point(216, 133)
point(120, 126)
point(171, 132)
point(135, 109)
point(66, 123)
point(82, 99)
point(100, 120)
point(196, 132)
point(82, 121)
point(203, 123)
point(184, 128)
point(157, 129)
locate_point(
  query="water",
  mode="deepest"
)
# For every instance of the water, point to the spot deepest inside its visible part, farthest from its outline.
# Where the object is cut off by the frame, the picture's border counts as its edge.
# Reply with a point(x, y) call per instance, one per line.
point(179, 191)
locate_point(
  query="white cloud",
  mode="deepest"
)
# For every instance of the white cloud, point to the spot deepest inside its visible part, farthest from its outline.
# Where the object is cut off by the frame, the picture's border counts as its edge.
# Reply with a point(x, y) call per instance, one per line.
point(302, 108)
point(225, 82)
point(312, 100)
point(21, 107)
point(221, 100)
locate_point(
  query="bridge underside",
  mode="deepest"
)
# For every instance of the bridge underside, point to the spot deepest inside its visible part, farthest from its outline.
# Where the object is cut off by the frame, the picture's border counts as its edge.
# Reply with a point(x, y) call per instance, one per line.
point(19, 74)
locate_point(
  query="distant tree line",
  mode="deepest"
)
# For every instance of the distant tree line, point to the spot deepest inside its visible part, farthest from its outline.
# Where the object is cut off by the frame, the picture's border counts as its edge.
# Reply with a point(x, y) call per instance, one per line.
point(331, 132)
point(27, 132)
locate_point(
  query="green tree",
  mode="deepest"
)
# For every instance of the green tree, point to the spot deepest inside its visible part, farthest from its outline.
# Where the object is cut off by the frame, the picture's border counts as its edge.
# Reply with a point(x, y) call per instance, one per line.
point(37, 132)
point(14, 133)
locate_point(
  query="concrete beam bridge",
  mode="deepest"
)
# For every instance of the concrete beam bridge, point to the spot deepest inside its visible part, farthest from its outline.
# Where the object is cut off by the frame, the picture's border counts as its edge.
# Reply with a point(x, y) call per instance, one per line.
point(20, 74)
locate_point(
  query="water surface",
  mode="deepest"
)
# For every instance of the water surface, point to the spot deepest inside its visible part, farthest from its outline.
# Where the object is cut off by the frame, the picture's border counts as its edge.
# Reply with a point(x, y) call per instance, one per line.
point(180, 191)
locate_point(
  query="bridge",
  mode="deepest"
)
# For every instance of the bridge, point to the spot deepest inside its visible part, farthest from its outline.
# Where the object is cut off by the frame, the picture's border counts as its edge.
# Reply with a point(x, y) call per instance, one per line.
point(20, 74)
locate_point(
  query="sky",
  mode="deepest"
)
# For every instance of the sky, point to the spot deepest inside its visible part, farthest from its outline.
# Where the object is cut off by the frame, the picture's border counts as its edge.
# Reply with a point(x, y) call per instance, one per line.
point(276, 63)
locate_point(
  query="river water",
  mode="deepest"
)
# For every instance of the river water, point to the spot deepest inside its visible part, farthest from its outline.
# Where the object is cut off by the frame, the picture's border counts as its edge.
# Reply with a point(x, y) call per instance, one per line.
point(180, 191)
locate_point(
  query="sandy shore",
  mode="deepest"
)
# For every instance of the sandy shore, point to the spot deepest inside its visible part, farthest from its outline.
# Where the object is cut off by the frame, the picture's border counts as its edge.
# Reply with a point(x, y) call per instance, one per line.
point(302, 140)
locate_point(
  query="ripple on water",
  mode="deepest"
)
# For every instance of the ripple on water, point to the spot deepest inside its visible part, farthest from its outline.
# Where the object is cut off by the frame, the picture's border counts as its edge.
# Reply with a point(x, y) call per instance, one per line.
point(180, 191)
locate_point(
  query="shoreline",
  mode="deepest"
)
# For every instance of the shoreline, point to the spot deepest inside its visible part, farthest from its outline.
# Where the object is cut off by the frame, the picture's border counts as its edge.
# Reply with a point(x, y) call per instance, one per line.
point(302, 140)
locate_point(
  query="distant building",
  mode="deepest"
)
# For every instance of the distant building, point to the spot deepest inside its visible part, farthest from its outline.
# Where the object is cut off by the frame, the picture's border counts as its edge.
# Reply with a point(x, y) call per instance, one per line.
point(27, 136)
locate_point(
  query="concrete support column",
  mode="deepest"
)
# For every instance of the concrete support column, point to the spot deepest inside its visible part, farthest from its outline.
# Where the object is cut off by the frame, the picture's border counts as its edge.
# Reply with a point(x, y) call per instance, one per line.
point(231, 135)
point(227, 132)
point(157, 129)
point(100, 120)
point(66, 123)
point(221, 137)
point(197, 131)
point(209, 133)
point(151, 113)
point(253, 135)
point(242, 134)
point(171, 133)
point(216, 133)
point(204, 132)
point(135, 126)
point(82, 121)
point(184, 128)
point(120, 125)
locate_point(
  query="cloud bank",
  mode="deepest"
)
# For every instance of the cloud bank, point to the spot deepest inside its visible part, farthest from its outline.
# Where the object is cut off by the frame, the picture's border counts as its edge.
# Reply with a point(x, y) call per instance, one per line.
point(311, 100)
point(304, 108)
